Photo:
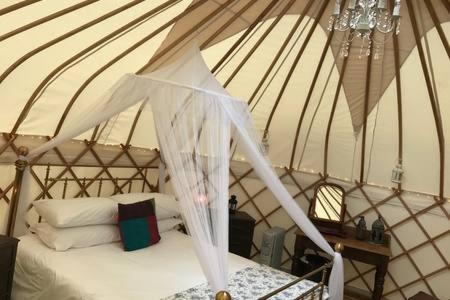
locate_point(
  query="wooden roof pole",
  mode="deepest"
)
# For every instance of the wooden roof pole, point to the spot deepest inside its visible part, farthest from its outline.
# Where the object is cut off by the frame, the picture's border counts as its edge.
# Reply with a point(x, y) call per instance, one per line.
point(80, 54)
point(202, 46)
point(129, 50)
point(227, 23)
point(16, 6)
point(365, 112)
point(294, 64)
point(436, 115)
point(398, 87)
point(45, 19)
point(143, 17)
point(60, 38)
point(215, 34)
point(185, 35)
point(438, 26)
point(244, 35)
point(308, 97)
point(258, 43)
point(280, 51)
point(333, 109)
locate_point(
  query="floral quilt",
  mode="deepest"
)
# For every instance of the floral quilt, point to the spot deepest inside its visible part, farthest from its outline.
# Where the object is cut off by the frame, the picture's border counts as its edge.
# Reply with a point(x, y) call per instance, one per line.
point(250, 284)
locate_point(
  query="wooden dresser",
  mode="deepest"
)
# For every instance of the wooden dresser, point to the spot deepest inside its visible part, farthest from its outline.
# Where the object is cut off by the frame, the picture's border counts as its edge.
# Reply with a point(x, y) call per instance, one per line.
point(8, 249)
point(363, 251)
point(241, 230)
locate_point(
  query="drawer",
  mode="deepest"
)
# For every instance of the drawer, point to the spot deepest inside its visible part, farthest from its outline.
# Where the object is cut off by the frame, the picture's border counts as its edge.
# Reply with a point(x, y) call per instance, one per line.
point(6, 254)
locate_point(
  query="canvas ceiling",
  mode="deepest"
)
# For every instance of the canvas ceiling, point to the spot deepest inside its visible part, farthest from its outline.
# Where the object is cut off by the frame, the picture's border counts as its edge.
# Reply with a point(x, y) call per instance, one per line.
point(52, 68)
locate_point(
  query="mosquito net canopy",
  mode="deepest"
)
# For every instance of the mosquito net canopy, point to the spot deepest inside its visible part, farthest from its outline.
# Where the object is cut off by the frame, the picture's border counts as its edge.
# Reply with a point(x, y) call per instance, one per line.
point(195, 120)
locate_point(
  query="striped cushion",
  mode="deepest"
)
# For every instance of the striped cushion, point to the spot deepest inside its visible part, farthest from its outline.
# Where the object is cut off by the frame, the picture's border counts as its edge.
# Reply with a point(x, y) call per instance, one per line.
point(138, 226)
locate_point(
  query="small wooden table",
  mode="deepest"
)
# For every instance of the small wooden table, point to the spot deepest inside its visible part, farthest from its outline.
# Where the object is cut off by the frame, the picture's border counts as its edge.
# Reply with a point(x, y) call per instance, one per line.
point(363, 251)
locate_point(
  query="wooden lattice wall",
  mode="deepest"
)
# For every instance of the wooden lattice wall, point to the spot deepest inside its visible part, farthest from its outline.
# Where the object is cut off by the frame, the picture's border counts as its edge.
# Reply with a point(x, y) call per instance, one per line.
point(418, 224)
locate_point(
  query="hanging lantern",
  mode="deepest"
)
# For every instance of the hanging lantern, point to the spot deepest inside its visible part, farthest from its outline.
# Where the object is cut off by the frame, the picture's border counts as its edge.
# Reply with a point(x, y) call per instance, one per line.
point(378, 231)
point(232, 204)
point(397, 173)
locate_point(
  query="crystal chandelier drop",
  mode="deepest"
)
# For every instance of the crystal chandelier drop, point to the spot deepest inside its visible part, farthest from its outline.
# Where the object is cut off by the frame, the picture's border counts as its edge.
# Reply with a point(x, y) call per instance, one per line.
point(360, 19)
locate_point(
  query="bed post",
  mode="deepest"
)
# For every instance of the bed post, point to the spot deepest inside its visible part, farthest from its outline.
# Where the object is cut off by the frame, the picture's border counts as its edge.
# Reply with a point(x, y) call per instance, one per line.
point(21, 164)
point(223, 295)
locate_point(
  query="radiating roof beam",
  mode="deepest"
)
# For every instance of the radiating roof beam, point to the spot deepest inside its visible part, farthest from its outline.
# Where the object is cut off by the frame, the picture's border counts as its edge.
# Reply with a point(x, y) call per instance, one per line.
point(280, 51)
point(16, 6)
point(295, 63)
point(46, 19)
point(437, 117)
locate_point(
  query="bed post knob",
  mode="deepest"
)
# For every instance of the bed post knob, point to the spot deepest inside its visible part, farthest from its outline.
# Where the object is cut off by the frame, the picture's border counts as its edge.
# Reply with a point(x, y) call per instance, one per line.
point(339, 247)
point(223, 295)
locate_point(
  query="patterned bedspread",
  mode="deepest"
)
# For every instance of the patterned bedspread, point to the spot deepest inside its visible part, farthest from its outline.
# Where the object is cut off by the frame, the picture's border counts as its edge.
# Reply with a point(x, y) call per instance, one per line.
point(250, 284)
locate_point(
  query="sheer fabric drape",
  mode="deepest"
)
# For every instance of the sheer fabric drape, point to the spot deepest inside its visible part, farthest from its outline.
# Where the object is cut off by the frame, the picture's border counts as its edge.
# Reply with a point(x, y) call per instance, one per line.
point(195, 118)
point(194, 135)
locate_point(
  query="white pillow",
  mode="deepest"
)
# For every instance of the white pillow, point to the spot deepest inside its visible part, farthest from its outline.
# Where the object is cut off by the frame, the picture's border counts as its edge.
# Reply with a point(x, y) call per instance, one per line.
point(77, 211)
point(168, 224)
point(166, 205)
point(62, 239)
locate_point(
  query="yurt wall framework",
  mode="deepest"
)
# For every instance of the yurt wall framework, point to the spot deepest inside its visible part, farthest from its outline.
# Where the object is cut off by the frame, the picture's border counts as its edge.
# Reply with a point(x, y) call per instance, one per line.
point(254, 199)
point(409, 251)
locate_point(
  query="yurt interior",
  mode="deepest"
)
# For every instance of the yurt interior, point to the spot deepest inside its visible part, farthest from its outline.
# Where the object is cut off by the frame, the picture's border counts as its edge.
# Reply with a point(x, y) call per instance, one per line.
point(224, 149)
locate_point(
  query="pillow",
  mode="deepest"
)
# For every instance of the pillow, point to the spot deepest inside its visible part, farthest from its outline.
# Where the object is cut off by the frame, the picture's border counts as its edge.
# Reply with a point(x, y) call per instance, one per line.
point(166, 206)
point(62, 239)
point(168, 224)
point(138, 226)
point(77, 211)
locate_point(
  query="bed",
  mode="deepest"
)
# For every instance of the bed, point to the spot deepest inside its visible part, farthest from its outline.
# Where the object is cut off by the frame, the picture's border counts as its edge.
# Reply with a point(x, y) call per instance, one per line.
point(167, 270)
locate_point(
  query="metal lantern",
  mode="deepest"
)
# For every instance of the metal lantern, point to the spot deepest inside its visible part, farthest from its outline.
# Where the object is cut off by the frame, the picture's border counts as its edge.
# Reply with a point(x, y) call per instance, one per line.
point(361, 229)
point(232, 204)
point(378, 231)
point(397, 173)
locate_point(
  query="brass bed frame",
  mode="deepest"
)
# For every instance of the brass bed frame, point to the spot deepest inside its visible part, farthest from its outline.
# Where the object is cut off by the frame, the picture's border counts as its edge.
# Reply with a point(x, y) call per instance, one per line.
point(315, 292)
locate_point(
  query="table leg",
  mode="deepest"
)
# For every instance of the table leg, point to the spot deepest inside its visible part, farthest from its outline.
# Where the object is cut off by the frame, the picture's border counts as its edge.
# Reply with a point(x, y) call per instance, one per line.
point(298, 254)
point(379, 279)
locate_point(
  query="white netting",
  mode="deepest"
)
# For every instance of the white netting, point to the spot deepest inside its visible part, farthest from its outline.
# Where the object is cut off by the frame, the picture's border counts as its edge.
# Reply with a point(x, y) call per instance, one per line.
point(194, 117)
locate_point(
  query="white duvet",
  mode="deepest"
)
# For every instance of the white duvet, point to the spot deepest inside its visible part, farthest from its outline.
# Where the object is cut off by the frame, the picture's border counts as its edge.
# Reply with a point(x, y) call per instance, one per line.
point(106, 272)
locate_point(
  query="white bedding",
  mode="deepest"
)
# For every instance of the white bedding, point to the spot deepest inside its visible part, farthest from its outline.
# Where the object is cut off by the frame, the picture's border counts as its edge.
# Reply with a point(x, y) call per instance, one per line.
point(106, 272)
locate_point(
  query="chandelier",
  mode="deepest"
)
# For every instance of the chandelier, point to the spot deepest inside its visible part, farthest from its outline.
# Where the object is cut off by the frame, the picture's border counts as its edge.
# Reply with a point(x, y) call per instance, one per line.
point(361, 19)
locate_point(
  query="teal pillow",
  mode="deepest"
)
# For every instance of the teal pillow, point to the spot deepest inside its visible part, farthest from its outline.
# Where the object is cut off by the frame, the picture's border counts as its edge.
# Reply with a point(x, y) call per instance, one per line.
point(138, 226)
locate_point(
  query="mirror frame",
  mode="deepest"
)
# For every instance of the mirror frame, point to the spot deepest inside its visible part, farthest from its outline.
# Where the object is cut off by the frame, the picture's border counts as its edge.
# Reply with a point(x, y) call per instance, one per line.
point(323, 225)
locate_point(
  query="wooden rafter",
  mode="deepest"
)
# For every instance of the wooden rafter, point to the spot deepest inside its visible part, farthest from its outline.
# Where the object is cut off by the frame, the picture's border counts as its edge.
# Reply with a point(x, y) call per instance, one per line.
point(259, 42)
point(247, 32)
point(32, 100)
point(365, 114)
point(191, 30)
point(58, 39)
point(295, 63)
point(436, 114)
point(438, 26)
point(85, 84)
point(280, 51)
point(17, 6)
point(45, 19)
point(333, 109)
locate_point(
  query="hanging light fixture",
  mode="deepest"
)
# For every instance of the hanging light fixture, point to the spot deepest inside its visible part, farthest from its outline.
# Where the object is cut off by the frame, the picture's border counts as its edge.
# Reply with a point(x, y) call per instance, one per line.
point(360, 19)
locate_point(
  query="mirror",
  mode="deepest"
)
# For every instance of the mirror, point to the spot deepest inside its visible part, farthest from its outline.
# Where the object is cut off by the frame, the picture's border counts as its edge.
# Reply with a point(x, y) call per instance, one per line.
point(328, 208)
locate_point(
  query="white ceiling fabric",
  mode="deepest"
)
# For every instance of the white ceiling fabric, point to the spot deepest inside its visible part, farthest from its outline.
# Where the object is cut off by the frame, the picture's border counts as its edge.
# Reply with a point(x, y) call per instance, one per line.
point(420, 154)
point(195, 119)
